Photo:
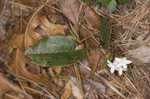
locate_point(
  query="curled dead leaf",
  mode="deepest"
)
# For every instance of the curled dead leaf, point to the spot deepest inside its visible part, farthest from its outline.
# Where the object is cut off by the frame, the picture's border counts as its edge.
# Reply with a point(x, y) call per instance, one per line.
point(39, 26)
point(50, 28)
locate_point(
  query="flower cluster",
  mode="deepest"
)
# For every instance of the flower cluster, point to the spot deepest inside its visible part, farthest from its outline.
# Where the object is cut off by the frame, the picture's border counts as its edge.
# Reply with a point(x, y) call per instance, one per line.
point(119, 64)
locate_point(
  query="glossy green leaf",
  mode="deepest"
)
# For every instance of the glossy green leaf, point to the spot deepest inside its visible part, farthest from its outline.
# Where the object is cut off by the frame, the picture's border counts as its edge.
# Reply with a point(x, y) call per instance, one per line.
point(55, 51)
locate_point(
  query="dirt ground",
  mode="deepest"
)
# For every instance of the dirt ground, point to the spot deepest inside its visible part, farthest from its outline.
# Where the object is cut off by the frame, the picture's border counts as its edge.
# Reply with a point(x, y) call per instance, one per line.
point(125, 34)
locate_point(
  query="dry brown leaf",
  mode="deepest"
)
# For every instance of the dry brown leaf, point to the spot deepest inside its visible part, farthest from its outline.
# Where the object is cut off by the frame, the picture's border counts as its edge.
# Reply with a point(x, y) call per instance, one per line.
point(96, 59)
point(57, 70)
point(39, 26)
point(93, 59)
point(50, 28)
point(28, 40)
point(35, 22)
point(70, 88)
point(89, 38)
point(17, 66)
point(22, 68)
point(20, 64)
point(92, 17)
point(70, 9)
point(16, 41)
point(67, 92)
point(141, 54)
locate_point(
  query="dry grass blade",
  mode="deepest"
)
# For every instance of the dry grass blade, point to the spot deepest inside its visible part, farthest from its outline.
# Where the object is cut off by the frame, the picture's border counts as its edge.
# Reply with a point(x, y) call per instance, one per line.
point(7, 85)
point(21, 5)
point(2, 6)
point(134, 18)
point(107, 83)
point(27, 2)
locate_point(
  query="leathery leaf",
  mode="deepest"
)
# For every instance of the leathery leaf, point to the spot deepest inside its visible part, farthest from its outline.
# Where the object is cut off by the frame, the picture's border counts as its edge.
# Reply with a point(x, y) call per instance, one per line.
point(55, 51)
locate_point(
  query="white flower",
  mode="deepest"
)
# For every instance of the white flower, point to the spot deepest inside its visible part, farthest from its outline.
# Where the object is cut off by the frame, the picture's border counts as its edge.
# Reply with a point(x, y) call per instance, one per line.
point(119, 64)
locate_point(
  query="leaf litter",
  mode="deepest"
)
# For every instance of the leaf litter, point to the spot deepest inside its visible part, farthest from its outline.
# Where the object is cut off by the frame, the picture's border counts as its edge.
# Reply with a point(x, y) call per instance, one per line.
point(89, 77)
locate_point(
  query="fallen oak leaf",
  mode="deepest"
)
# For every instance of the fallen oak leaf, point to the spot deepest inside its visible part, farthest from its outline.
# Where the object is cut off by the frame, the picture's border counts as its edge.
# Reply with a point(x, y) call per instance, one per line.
point(70, 9)
point(39, 26)
point(50, 28)
point(42, 28)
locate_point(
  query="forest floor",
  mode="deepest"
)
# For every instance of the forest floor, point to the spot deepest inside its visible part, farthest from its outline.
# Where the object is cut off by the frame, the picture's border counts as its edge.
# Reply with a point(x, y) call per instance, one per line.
point(121, 29)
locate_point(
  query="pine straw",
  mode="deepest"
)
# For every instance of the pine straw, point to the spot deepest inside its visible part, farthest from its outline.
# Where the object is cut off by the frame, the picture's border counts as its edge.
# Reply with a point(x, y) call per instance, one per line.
point(56, 83)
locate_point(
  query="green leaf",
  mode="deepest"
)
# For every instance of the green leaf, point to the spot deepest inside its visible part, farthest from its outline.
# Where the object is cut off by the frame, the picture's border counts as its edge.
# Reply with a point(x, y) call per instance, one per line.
point(55, 51)
point(52, 44)
point(111, 5)
point(103, 1)
point(74, 38)
point(105, 32)
point(58, 59)
point(123, 1)
point(86, 1)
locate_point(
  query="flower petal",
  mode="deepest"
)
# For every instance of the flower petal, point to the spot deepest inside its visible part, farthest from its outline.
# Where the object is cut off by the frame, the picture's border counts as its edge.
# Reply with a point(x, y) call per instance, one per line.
point(110, 64)
point(112, 70)
point(128, 62)
point(120, 72)
point(125, 67)
point(117, 59)
point(119, 64)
